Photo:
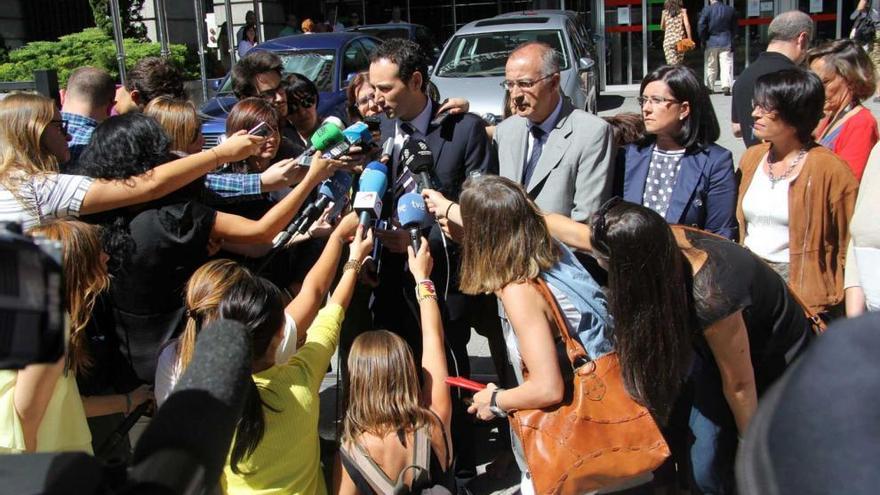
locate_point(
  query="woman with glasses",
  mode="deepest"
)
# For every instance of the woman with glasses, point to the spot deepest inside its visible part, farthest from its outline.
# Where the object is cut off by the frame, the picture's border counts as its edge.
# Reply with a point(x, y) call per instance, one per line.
point(676, 169)
point(796, 198)
point(848, 128)
point(704, 314)
point(302, 108)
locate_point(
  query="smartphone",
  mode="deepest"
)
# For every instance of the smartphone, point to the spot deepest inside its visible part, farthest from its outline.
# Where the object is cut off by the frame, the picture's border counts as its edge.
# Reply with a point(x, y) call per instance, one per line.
point(262, 129)
point(457, 381)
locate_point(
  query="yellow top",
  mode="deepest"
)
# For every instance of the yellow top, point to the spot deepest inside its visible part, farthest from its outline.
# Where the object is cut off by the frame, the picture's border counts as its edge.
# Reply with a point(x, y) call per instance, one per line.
point(287, 460)
point(64, 427)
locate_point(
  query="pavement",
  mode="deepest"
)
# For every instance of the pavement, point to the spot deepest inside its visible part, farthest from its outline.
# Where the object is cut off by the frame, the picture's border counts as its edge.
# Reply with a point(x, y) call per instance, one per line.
point(485, 441)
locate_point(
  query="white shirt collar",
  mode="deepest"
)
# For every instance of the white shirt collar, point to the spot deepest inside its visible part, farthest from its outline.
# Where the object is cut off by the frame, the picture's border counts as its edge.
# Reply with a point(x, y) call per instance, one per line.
point(550, 122)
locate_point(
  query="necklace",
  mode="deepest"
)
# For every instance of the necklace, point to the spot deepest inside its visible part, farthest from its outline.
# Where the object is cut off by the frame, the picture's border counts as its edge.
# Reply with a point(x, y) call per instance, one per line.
point(771, 161)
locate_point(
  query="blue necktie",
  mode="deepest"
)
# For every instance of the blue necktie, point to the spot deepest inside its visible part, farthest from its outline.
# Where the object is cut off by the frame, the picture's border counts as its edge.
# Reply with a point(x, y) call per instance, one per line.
point(534, 156)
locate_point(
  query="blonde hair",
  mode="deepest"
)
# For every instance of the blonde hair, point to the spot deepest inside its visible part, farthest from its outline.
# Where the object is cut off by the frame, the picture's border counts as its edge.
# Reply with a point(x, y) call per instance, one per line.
point(23, 118)
point(85, 277)
point(506, 239)
point(178, 119)
point(384, 391)
point(205, 290)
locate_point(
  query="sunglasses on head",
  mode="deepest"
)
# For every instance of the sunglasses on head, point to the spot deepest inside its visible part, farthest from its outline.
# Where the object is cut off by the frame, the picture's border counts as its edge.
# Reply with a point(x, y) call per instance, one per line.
point(598, 225)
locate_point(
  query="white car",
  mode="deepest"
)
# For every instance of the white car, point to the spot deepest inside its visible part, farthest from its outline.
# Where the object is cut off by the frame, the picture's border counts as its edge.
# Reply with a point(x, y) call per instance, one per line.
point(472, 62)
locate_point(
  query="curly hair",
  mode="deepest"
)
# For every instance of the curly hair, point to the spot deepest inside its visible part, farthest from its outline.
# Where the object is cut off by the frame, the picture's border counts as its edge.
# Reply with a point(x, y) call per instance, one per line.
point(245, 71)
point(155, 76)
point(122, 147)
point(408, 57)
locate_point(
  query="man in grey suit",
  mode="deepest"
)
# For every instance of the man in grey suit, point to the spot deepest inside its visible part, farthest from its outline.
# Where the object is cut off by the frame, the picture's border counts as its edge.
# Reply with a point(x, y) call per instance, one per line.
point(562, 155)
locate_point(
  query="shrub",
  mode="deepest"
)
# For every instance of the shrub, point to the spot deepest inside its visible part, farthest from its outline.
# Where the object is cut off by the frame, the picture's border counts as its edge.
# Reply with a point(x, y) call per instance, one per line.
point(89, 47)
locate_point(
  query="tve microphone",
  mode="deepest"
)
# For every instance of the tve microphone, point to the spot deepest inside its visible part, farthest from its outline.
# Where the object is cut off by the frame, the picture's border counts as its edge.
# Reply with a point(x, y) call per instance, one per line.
point(418, 158)
point(333, 190)
point(371, 188)
point(324, 138)
point(357, 134)
point(192, 431)
point(414, 216)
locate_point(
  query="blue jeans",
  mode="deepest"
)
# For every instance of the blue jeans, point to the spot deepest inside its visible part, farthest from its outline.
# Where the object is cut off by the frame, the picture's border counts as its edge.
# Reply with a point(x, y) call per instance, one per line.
point(714, 442)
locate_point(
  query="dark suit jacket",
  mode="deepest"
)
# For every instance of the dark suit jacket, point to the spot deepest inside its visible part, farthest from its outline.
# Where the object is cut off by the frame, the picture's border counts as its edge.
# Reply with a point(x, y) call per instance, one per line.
point(460, 146)
point(705, 190)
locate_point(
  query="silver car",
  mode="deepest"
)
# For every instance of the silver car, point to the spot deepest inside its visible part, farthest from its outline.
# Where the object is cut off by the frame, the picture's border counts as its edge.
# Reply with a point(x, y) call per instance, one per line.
point(472, 62)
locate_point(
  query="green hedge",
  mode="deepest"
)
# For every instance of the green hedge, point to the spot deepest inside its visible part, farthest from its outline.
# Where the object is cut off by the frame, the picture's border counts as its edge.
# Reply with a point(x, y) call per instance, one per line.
point(89, 47)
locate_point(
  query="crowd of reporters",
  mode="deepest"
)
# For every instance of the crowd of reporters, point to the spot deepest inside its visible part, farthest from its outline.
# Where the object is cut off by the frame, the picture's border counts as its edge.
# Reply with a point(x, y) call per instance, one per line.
point(696, 276)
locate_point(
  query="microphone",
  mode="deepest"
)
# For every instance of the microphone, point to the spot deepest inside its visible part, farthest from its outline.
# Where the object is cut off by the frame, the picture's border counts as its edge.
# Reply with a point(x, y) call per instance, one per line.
point(413, 215)
point(357, 134)
point(188, 440)
point(418, 158)
point(324, 137)
point(371, 188)
point(387, 149)
point(333, 190)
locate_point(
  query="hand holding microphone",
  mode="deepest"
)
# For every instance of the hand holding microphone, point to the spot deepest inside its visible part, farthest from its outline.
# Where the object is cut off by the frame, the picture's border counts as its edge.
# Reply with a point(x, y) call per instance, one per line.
point(372, 185)
point(414, 217)
point(420, 262)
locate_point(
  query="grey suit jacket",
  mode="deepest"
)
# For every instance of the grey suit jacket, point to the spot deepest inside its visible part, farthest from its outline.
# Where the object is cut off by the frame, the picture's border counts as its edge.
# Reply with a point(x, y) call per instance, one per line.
point(575, 172)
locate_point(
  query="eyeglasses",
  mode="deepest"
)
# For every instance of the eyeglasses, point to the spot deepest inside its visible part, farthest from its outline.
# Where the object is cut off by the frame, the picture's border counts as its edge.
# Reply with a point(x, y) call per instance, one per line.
point(270, 94)
point(763, 112)
point(366, 99)
point(301, 100)
point(655, 100)
point(524, 84)
point(600, 229)
point(62, 125)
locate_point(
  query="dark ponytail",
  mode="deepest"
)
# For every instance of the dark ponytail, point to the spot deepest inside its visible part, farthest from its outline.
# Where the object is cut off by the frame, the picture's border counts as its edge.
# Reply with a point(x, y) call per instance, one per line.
point(256, 303)
point(650, 284)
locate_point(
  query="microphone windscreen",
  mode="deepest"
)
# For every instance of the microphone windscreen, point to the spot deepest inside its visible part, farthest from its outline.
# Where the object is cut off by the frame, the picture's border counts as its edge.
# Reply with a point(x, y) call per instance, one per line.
point(200, 415)
point(377, 166)
point(358, 133)
point(373, 181)
point(326, 136)
point(337, 187)
point(412, 212)
point(336, 121)
point(417, 156)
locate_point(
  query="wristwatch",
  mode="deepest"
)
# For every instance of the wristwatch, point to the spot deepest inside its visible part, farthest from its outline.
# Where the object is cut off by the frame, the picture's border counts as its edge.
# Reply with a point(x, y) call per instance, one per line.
point(493, 406)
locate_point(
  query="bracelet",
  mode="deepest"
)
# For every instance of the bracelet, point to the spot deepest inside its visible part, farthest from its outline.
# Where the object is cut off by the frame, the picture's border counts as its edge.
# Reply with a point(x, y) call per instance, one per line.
point(216, 157)
point(128, 403)
point(352, 265)
point(425, 290)
point(446, 215)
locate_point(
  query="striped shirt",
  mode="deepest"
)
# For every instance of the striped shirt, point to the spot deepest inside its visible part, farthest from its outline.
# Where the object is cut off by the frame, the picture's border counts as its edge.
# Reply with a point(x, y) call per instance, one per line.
point(44, 198)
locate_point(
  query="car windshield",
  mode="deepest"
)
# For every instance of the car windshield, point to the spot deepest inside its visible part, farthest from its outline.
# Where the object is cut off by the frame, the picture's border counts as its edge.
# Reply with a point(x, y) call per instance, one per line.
point(317, 65)
point(485, 54)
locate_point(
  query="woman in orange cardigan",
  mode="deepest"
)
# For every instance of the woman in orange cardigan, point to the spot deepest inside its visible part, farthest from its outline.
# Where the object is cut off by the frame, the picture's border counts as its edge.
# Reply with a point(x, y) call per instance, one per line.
point(796, 198)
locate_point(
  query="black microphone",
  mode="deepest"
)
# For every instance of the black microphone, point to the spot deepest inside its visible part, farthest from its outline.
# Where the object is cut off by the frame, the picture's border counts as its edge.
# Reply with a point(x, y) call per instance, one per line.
point(418, 158)
point(186, 444)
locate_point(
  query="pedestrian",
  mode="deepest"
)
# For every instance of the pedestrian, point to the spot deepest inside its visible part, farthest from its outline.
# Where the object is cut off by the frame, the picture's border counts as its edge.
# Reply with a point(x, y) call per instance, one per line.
point(789, 34)
point(796, 198)
point(717, 28)
point(677, 170)
point(291, 26)
point(676, 27)
point(248, 41)
point(862, 272)
point(849, 77)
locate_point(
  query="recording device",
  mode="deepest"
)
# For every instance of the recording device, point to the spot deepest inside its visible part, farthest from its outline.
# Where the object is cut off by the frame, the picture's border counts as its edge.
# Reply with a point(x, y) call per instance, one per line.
point(371, 188)
point(357, 134)
point(414, 216)
point(332, 190)
point(182, 451)
point(33, 328)
point(387, 150)
point(374, 123)
point(325, 137)
point(262, 129)
point(418, 158)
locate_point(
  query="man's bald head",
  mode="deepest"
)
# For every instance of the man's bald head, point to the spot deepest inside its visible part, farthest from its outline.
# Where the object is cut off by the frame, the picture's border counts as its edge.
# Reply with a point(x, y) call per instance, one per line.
point(538, 52)
point(787, 26)
point(91, 86)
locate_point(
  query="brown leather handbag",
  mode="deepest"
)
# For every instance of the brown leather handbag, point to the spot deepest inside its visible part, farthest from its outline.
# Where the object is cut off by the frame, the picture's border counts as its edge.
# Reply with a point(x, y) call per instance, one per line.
point(598, 436)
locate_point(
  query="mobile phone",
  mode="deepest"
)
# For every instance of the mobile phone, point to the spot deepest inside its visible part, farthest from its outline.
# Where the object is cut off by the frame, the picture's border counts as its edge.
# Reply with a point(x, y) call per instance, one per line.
point(457, 381)
point(262, 129)
point(440, 118)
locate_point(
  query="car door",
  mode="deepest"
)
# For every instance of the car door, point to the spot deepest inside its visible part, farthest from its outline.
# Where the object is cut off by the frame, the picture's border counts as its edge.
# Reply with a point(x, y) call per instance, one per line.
point(585, 74)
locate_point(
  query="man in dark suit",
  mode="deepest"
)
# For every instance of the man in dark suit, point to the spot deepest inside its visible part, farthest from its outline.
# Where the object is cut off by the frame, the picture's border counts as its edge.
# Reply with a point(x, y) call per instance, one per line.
point(399, 74)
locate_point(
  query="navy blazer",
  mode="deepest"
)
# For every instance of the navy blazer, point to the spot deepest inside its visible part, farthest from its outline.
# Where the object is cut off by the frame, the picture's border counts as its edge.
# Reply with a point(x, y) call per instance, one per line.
point(705, 189)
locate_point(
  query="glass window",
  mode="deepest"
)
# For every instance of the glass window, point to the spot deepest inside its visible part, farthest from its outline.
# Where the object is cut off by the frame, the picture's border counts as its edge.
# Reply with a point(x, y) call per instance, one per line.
point(485, 54)
point(354, 59)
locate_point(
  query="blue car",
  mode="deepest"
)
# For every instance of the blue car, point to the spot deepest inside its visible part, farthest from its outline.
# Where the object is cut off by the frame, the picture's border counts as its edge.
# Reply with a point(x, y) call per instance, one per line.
point(331, 60)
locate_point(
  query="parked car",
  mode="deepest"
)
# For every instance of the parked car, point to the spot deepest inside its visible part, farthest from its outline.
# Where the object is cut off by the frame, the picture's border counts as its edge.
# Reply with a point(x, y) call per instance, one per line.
point(413, 32)
point(472, 62)
point(331, 60)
